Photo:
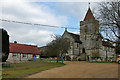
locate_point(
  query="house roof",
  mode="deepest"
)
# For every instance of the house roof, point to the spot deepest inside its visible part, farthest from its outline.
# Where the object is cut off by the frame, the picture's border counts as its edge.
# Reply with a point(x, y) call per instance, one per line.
point(75, 37)
point(89, 15)
point(23, 48)
point(107, 44)
point(42, 48)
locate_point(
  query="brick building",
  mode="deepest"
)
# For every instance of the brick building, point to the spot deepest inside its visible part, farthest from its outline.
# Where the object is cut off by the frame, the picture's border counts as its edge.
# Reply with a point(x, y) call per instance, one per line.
point(22, 52)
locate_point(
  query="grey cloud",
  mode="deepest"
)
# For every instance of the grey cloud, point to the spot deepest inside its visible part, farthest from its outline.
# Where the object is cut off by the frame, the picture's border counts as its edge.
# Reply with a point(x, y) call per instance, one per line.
point(28, 12)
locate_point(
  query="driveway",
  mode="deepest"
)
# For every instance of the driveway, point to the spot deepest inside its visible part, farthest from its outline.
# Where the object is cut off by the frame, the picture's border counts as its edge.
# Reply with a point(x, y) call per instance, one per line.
point(74, 69)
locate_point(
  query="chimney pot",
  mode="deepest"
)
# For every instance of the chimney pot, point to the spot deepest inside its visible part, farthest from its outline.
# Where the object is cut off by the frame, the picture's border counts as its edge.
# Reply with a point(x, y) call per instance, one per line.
point(65, 29)
point(15, 41)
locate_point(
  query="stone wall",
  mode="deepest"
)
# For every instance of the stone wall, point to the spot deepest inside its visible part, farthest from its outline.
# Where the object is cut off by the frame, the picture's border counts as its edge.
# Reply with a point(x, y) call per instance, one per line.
point(74, 47)
point(88, 32)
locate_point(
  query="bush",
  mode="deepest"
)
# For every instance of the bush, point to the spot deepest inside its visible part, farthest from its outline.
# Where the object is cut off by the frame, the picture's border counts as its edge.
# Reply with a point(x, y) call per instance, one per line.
point(68, 58)
point(30, 60)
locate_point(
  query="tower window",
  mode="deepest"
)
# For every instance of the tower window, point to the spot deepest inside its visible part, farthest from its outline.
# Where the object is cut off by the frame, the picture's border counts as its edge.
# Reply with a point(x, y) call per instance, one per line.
point(77, 45)
point(85, 32)
point(85, 37)
point(83, 50)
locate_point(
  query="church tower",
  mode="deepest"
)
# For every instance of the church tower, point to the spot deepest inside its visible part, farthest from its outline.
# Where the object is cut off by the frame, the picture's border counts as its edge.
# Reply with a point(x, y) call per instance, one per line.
point(89, 30)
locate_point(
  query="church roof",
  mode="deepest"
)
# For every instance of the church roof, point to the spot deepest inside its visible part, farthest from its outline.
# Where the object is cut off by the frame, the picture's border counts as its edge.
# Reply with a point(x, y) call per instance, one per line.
point(75, 37)
point(107, 44)
point(89, 15)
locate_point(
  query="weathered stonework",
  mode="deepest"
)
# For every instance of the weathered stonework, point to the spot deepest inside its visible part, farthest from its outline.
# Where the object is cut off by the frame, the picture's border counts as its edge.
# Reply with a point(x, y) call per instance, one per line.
point(92, 41)
point(93, 44)
point(75, 42)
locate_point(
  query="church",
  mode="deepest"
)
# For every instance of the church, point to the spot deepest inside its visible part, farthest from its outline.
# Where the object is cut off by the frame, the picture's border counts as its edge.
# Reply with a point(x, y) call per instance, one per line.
point(90, 44)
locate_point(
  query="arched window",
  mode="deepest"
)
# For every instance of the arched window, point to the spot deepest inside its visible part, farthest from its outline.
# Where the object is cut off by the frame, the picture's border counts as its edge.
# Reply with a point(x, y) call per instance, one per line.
point(83, 50)
point(85, 29)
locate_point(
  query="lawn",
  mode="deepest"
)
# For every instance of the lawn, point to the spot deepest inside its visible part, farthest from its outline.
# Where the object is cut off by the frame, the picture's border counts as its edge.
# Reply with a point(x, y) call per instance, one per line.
point(23, 69)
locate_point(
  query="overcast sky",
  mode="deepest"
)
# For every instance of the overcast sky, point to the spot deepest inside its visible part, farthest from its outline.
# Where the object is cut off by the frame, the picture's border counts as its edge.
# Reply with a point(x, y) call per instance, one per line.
point(64, 14)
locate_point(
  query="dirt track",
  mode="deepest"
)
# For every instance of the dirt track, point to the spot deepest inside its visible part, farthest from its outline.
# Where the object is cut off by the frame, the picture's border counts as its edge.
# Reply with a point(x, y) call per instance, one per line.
point(80, 70)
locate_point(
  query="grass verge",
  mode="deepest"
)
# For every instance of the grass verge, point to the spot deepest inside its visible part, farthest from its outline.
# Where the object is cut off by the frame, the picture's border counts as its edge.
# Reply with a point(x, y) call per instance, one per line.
point(20, 70)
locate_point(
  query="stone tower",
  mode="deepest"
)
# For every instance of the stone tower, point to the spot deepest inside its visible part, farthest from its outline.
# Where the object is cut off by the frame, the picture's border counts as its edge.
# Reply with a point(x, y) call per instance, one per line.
point(89, 31)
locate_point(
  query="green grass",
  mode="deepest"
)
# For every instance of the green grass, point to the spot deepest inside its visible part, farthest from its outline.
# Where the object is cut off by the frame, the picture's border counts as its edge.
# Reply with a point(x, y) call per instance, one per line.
point(23, 69)
point(50, 59)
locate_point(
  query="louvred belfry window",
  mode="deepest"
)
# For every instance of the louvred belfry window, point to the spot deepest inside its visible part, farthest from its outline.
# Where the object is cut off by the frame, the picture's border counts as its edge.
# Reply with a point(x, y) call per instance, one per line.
point(85, 28)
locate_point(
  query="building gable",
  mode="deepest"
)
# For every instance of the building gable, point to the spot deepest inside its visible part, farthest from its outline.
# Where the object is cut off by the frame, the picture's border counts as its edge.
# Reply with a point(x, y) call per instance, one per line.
point(75, 37)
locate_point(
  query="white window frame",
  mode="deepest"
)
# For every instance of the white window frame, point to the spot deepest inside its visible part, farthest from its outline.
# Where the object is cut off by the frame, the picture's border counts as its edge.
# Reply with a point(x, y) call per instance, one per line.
point(24, 55)
point(14, 54)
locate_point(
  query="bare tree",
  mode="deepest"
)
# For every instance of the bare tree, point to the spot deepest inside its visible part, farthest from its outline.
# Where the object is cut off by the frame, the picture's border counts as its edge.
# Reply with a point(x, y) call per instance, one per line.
point(108, 15)
point(57, 47)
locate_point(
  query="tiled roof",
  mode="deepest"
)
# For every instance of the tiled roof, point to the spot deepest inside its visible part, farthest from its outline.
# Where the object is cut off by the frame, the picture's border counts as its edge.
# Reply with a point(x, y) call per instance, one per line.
point(89, 15)
point(23, 48)
point(76, 37)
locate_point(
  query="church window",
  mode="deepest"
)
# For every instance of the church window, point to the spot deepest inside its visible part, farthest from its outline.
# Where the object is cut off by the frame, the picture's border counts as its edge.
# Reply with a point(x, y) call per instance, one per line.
point(85, 37)
point(77, 45)
point(85, 32)
point(83, 50)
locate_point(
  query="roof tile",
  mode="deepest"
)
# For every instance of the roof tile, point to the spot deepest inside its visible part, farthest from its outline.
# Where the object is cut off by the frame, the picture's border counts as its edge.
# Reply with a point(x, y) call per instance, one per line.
point(23, 48)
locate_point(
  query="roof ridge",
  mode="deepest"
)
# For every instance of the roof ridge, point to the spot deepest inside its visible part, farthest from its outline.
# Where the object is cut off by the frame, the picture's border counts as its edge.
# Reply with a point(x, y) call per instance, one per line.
point(73, 33)
point(24, 44)
point(23, 48)
point(76, 37)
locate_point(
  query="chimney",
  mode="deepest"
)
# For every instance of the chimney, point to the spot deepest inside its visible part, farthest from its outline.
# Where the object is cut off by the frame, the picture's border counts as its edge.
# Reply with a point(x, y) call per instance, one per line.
point(15, 41)
point(65, 29)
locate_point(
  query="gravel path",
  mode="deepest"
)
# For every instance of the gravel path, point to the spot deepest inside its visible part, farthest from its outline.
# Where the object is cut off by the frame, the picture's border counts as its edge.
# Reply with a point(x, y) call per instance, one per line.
point(80, 70)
